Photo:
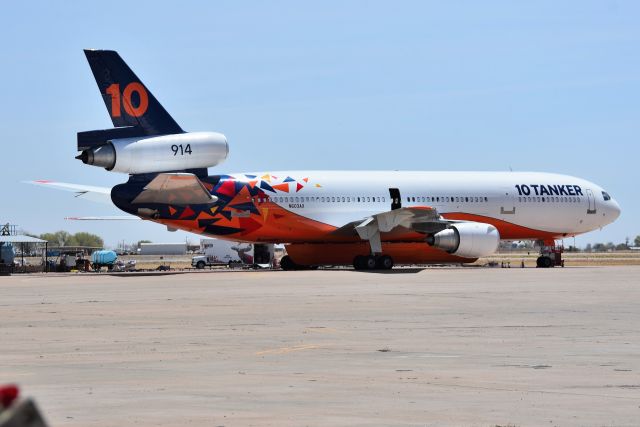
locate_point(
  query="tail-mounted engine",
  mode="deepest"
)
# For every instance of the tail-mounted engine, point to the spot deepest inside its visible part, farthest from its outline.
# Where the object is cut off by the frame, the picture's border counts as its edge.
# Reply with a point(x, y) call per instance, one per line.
point(148, 154)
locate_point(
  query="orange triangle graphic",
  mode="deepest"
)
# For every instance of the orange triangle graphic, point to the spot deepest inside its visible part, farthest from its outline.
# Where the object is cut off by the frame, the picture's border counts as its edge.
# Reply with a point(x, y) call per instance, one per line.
point(172, 211)
point(282, 187)
point(305, 179)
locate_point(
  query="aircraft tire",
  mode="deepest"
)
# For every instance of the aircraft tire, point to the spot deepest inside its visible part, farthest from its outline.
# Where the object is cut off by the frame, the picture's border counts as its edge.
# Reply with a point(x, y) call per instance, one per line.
point(358, 262)
point(287, 264)
point(370, 262)
point(385, 262)
point(543, 262)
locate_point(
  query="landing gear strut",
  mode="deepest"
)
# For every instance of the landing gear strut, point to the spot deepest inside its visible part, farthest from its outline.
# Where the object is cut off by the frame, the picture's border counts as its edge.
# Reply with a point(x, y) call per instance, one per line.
point(371, 262)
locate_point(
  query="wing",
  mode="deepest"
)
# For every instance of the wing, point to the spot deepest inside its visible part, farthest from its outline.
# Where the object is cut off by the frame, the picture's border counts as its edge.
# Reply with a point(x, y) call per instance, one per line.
point(421, 219)
point(175, 189)
point(86, 192)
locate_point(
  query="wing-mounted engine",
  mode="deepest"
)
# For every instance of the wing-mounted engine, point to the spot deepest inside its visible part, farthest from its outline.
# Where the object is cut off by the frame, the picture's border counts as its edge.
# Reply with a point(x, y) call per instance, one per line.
point(148, 154)
point(467, 239)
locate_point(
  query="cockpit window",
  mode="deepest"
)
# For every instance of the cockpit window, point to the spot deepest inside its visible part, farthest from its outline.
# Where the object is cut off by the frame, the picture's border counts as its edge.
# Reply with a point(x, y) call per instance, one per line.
point(606, 196)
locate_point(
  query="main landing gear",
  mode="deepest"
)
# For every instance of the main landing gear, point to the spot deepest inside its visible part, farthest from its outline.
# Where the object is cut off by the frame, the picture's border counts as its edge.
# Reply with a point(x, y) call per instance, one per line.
point(370, 262)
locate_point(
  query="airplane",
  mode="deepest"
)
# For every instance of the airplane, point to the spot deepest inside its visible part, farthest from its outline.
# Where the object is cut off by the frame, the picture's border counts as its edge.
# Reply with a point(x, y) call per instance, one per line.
point(368, 219)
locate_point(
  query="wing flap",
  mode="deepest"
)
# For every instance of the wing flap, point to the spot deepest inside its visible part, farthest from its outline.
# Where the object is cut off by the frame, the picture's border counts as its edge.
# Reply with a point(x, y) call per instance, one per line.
point(421, 219)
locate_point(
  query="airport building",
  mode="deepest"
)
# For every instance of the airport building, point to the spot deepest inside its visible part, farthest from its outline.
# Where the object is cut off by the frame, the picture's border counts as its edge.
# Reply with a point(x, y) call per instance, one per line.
point(163, 249)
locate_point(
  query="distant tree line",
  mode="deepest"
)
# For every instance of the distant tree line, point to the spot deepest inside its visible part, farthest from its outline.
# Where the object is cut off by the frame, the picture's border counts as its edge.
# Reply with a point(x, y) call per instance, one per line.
point(64, 238)
point(610, 246)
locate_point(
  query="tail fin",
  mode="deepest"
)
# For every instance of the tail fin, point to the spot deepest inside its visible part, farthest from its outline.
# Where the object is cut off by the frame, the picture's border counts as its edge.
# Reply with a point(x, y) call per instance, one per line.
point(128, 101)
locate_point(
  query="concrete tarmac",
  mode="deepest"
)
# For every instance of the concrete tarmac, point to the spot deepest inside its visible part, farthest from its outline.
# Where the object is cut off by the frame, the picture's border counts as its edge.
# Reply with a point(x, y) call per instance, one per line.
point(440, 346)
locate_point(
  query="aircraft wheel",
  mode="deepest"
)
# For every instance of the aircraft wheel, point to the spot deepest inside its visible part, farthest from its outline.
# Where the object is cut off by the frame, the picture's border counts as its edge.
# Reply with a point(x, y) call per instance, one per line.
point(358, 262)
point(370, 262)
point(287, 264)
point(385, 262)
point(543, 262)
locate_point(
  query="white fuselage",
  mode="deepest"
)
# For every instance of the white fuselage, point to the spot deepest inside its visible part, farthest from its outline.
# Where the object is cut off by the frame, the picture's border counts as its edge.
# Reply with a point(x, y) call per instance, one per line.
point(545, 202)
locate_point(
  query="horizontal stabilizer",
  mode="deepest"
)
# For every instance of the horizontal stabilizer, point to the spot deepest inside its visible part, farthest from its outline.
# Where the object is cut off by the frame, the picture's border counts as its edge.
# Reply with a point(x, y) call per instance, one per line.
point(103, 218)
point(87, 192)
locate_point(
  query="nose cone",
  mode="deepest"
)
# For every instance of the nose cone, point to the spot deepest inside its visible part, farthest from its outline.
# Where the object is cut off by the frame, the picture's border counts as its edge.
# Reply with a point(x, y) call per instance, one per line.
point(613, 210)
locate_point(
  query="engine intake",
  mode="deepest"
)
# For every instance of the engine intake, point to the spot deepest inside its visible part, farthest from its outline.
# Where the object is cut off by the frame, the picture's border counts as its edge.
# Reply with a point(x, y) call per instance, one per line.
point(467, 239)
point(159, 153)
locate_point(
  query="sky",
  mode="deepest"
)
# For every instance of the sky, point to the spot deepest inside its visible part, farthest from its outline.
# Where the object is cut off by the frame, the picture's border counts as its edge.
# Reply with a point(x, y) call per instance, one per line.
point(427, 85)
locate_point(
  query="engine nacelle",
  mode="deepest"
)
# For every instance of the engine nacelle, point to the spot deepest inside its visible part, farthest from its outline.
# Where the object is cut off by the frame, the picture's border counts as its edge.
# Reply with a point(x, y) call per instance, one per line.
point(163, 153)
point(467, 239)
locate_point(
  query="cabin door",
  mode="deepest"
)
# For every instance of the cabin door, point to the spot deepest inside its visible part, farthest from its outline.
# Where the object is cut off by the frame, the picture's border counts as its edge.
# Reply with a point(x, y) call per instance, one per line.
point(396, 201)
point(508, 206)
point(591, 209)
